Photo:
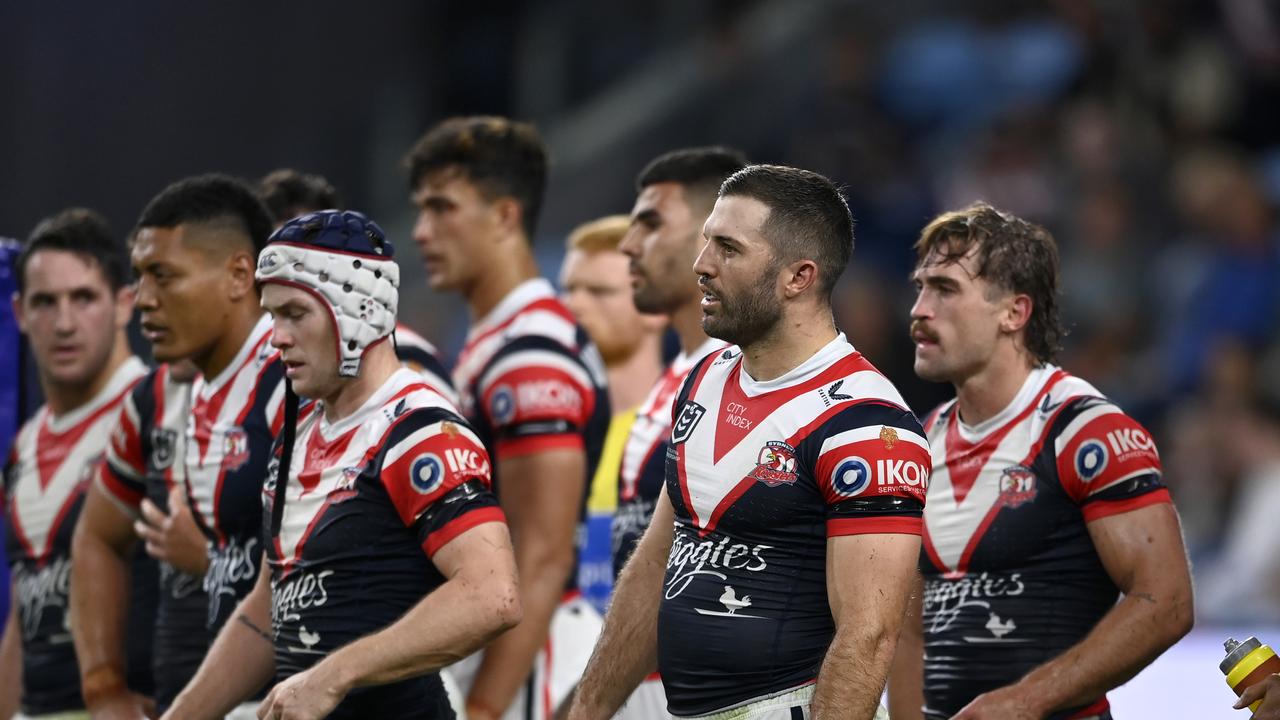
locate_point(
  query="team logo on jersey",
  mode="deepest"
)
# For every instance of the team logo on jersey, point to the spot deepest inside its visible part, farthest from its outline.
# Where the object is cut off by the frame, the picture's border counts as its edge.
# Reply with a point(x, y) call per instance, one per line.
point(851, 477)
point(690, 415)
point(269, 260)
point(235, 448)
point(1091, 460)
point(776, 464)
point(427, 473)
point(1017, 486)
point(502, 405)
point(345, 489)
point(164, 445)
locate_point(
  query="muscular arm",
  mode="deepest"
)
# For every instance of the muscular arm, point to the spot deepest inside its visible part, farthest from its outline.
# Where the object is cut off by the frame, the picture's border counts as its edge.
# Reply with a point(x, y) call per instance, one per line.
point(869, 580)
point(11, 663)
point(240, 661)
point(906, 674)
point(100, 568)
point(540, 495)
point(477, 601)
point(1143, 553)
point(628, 647)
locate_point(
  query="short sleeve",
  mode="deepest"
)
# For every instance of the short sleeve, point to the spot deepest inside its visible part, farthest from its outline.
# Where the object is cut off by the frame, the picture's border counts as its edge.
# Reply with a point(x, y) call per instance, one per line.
point(1106, 461)
point(536, 399)
point(438, 476)
point(122, 474)
point(873, 471)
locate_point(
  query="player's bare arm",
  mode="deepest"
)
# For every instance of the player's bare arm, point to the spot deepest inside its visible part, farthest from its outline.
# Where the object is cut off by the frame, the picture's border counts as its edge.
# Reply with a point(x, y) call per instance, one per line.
point(10, 663)
point(1143, 553)
point(477, 602)
point(240, 661)
point(869, 581)
point(628, 647)
point(100, 571)
point(906, 674)
point(539, 496)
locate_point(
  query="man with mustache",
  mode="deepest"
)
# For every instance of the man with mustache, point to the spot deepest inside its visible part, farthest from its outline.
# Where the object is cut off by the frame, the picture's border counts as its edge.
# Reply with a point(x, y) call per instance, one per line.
point(194, 250)
point(1045, 507)
point(788, 525)
point(73, 303)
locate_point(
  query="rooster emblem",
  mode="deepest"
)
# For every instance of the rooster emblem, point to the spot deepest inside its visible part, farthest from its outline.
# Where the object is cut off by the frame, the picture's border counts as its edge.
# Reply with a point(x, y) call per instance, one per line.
point(732, 602)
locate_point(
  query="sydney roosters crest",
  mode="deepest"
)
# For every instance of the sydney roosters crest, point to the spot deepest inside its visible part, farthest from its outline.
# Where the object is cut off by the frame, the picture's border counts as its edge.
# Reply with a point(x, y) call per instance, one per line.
point(1017, 486)
point(776, 464)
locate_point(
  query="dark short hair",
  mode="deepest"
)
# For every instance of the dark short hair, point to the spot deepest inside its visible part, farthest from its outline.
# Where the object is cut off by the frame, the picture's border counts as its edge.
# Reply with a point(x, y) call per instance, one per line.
point(1013, 255)
point(288, 193)
point(701, 170)
point(211, 198)
point(501, 157)
point(85, 233)
point(808, 216)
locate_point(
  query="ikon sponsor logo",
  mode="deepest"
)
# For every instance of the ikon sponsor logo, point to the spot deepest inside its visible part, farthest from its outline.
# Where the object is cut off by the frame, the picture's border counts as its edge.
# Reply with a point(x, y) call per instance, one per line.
point(427, 473)
point(1127, 441)
point(1091, 459)
point(541, 396)
point(854, 476)
point(467, 461)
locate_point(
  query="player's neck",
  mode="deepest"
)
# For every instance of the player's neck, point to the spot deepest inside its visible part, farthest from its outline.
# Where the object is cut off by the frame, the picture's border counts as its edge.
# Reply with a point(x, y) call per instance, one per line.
point(244, 316)
point(686, 321)
point(63, 398)
point(791, 341)
point(497, 281)
point(984, 394)
point(376, 367)
point(631, 378)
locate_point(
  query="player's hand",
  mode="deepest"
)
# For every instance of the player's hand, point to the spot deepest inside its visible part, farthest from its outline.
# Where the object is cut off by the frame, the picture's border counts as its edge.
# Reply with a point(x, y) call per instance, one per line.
point(1268, 689)
point(308, 695)
point(123, 705)
point(173, 538)
point(1006, 703)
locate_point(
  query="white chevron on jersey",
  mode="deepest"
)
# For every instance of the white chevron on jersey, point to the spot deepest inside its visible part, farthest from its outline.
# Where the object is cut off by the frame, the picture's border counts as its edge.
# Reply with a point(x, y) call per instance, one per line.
point(653, 417)
point(511, 319)
point(215, 439)
point(709, 483)
point(371, 423)
point(958, 511)
point(56, 456)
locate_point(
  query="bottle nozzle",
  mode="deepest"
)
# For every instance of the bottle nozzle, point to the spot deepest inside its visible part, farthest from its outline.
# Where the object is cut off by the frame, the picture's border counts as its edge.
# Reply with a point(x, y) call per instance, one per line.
point(1230, 645)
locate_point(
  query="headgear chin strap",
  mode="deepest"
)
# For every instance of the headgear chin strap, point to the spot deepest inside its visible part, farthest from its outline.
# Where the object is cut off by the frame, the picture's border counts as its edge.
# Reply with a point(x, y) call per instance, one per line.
point(345, 259)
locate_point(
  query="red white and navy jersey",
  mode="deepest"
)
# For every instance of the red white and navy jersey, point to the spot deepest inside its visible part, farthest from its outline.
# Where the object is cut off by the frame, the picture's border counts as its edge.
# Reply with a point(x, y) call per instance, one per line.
point(1012, 578)
point(530, 380)
point(644, 463)
point(234, 420)
point(145, 460)
point(419, 355)
point(370, 499)
point(50, 466)
point(760, 475)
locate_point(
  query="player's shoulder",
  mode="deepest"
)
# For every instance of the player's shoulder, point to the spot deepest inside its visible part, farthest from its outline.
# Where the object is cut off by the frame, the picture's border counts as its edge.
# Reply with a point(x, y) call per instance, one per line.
point(543, 317)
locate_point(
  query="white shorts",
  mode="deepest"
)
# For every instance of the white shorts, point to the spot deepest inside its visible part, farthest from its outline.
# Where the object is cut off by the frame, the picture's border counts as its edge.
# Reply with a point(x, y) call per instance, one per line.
point(68, 715)
point(558, 667)
point(786, 705)
point(245, 711)
point(648, 702)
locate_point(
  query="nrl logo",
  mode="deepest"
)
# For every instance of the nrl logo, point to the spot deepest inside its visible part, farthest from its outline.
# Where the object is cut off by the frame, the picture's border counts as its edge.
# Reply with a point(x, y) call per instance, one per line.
point(688, 420)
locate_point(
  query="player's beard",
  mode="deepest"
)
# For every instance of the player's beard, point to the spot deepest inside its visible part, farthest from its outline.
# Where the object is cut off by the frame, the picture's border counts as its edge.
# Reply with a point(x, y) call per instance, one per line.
point(746, 317)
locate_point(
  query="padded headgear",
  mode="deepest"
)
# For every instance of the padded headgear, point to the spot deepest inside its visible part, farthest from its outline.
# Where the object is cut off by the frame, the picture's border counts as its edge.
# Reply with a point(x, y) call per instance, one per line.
point(343, 258)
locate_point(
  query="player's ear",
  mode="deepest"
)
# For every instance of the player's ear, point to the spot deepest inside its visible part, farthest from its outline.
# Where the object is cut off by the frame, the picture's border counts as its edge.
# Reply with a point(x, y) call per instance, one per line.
point(798, 277)
point(241, 281)
point(510, 215)
point(15, 302)
point(1017, 313)
point(126, 297)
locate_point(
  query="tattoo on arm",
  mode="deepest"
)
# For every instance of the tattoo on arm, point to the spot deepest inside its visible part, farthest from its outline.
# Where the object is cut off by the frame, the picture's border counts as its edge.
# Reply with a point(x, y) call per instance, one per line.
point(249, 623)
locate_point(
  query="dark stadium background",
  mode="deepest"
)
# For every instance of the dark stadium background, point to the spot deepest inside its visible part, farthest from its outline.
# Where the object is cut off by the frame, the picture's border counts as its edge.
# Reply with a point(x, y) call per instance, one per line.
point(1144, 134)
